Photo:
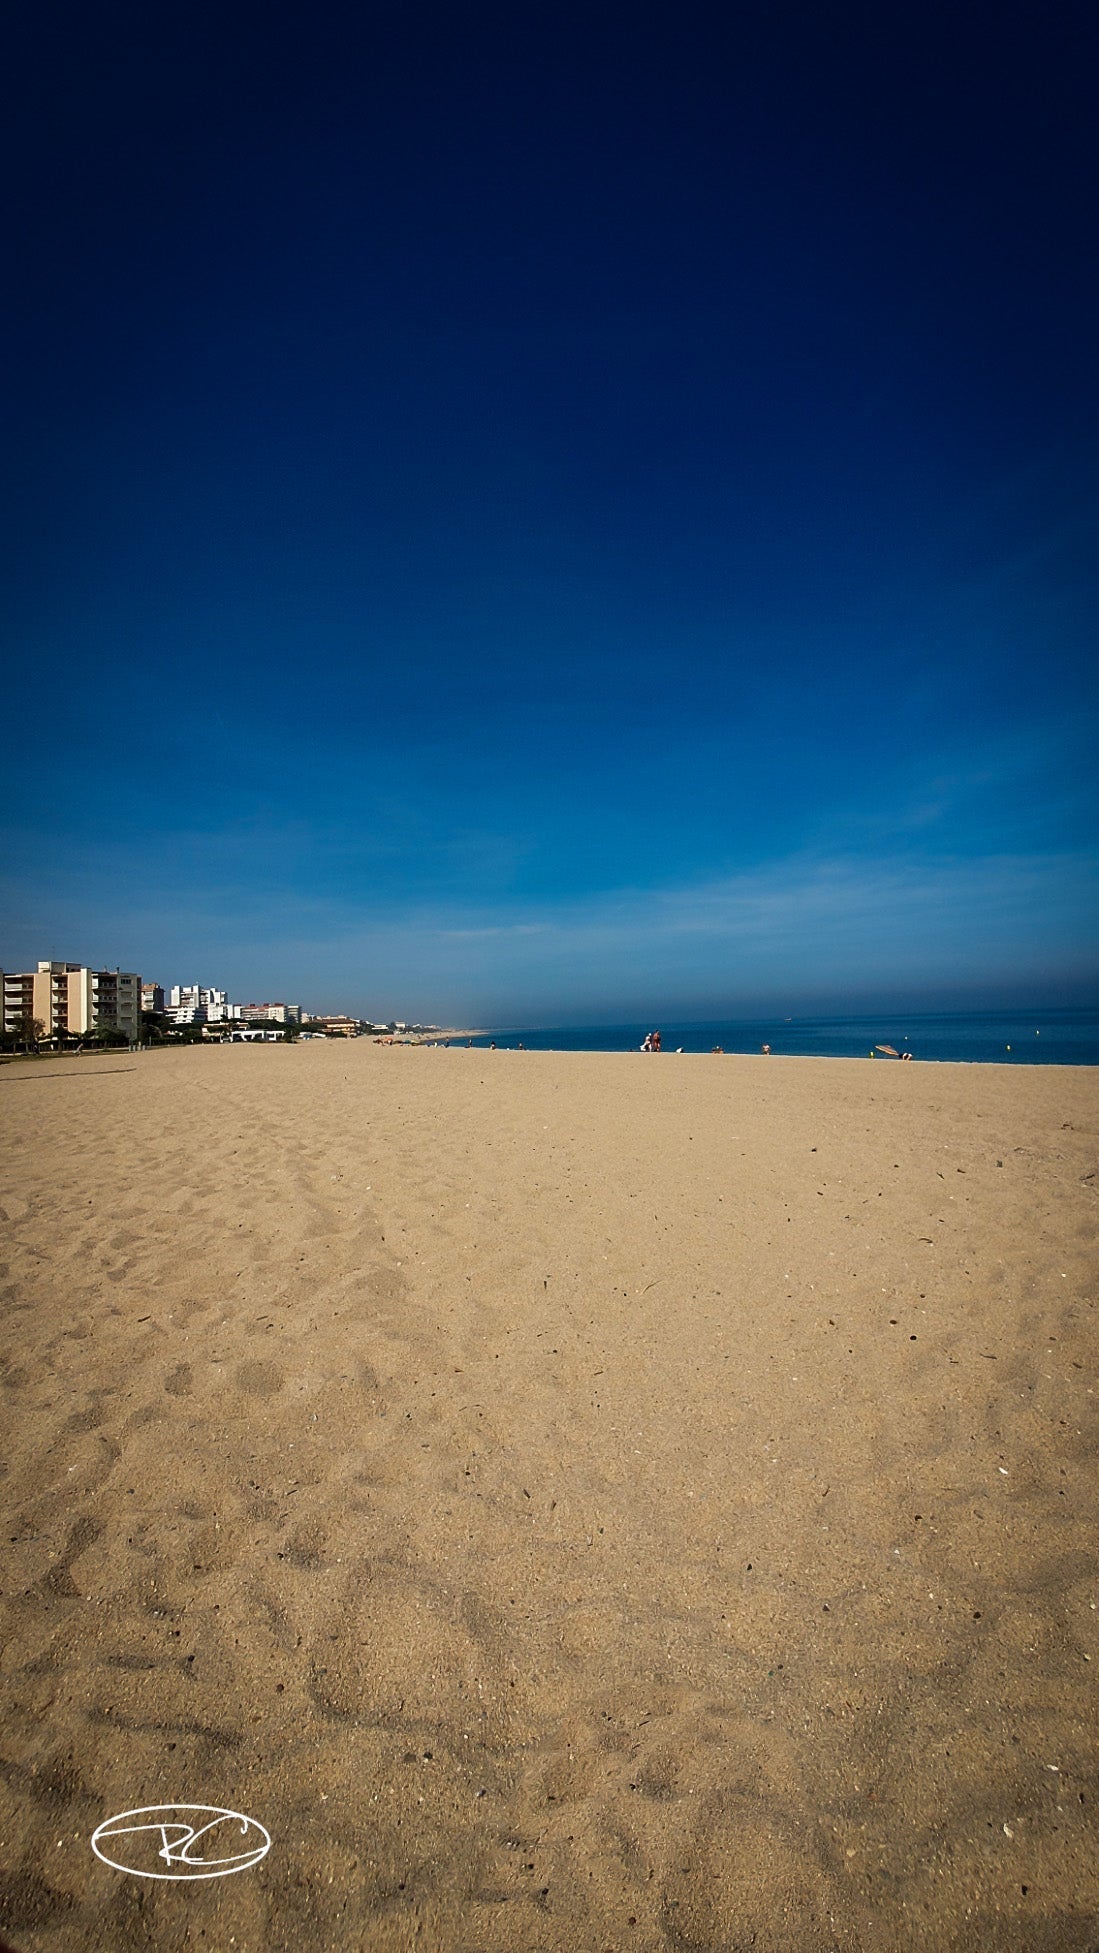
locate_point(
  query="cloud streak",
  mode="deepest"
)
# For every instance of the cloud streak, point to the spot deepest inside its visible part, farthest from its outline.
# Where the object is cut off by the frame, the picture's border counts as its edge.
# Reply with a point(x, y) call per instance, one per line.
point(809, 927)
point(803, 927)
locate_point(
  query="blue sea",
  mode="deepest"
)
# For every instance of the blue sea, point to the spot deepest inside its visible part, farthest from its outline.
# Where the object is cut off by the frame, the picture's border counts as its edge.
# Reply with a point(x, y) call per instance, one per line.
point(1039, 1037)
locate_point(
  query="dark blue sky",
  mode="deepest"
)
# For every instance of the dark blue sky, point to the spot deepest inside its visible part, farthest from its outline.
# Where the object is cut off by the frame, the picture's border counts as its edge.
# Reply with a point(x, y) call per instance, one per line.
point(538, 513)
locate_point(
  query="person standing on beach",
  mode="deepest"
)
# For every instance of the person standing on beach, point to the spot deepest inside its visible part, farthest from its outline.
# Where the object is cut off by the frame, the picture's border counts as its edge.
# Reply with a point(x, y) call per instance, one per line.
point(655, 1046)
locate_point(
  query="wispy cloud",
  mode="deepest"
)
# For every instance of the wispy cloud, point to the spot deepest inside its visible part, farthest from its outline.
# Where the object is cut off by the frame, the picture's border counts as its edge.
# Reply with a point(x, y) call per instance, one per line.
point(805, 926)
point(813, 924)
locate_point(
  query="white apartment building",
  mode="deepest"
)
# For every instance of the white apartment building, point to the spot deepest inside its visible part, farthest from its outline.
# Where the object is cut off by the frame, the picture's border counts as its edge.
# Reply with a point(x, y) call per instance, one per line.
point(273, 1013)
point(69, 1000)
point(195, 1003)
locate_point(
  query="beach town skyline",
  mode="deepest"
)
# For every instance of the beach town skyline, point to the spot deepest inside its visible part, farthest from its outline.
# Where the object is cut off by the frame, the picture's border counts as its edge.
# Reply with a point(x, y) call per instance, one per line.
point(68, 1008)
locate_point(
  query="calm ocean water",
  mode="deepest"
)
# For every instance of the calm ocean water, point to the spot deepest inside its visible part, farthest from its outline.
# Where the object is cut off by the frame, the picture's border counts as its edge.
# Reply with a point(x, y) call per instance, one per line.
point(1040, 1037)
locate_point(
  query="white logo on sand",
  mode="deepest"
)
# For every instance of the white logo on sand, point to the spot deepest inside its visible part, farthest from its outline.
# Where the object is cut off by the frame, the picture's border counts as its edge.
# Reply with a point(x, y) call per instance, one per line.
point(175, 1836)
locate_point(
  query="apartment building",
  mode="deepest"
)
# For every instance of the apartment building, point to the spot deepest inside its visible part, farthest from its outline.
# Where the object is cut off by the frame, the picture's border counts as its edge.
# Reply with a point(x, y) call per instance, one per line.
point(69, 1000)
point(116, 1002)
point(273, 1013)
point(18, 999)
point(152, 996)
point(196, 1003)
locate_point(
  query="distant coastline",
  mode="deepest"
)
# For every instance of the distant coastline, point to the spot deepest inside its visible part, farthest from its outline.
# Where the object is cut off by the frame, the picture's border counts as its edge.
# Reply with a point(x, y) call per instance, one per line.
point(448, 1036)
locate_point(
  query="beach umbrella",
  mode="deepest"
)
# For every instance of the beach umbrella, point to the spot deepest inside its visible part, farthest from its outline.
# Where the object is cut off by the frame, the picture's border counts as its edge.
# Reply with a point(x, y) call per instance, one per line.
point(888, 1050)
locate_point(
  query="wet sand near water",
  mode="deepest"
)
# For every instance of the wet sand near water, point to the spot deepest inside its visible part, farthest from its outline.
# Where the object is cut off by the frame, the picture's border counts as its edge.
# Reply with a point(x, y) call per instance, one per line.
point(572, 1501)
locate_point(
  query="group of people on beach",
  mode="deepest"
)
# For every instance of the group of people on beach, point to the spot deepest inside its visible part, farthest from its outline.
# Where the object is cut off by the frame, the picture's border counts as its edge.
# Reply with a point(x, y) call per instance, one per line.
point(652, 1042)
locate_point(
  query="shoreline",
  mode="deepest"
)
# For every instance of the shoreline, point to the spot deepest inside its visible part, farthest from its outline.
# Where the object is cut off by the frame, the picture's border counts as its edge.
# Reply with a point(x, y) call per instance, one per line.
point(779, 1057)
point(459, 1041)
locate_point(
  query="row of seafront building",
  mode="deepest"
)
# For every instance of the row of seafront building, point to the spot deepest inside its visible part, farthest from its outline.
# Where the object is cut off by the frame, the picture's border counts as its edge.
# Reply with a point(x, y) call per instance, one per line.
point(70, 1000)
point(67, 1000)
point(195, 1003)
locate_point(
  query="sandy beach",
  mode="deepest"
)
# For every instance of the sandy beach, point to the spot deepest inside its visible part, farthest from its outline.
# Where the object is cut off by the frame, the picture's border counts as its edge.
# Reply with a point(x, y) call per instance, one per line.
point(574, 1502)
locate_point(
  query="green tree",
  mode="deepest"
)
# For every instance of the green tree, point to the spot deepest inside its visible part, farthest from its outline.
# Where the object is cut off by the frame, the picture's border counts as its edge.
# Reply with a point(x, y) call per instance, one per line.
point(109, 1036)
point(29, 1031)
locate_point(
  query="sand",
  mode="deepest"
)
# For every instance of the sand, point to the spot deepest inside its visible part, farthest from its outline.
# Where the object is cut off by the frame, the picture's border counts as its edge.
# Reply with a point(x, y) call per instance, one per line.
point(571, 1501)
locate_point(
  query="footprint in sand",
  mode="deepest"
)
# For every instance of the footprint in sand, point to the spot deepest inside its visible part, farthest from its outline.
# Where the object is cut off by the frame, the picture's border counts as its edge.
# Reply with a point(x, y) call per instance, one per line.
point(260, 1379)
